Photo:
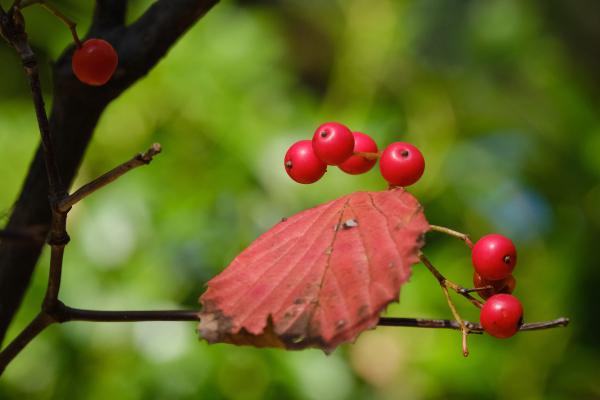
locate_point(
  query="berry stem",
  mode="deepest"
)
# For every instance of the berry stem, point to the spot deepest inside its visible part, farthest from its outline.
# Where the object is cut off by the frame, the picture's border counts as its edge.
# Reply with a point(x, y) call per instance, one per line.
point(464, 330)
point(21, 4)
point(367, 155)
point(445, 284)
point(477, 289)
point(449, 284)
point(462, 236)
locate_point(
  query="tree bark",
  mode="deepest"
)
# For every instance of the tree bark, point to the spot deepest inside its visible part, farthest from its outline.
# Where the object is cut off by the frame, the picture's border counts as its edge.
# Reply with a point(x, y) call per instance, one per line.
point(75, 113)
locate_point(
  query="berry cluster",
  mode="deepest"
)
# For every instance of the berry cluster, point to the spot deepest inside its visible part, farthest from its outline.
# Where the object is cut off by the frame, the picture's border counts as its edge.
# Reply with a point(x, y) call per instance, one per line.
point(94, 62)
point(401, 164)
point(494, 258)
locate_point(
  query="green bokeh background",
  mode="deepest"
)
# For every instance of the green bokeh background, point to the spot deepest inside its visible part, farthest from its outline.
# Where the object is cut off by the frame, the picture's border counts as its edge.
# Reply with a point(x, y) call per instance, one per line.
point(505, 114)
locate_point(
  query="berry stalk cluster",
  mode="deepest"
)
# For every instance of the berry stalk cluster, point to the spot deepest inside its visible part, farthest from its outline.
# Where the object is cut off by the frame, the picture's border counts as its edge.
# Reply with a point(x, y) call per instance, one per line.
point(306, 161)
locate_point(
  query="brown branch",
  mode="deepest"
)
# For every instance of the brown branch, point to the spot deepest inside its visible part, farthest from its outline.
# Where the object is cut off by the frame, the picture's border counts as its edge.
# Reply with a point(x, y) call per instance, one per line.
point(29, 235)
point(18, 39)
point(75, 113)
point(62, 314)
point(138, 160)
point(35, 327)
point(75, 314)
point(473, 327)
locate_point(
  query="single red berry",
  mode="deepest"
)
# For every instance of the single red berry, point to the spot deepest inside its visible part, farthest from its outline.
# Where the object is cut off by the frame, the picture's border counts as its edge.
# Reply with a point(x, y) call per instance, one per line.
point(357, 164)
point(301, 163)
point(333, 143)
point(494, 257)
point(401, 164)
point(95, 62)
point(502, 315)
point(506, 285)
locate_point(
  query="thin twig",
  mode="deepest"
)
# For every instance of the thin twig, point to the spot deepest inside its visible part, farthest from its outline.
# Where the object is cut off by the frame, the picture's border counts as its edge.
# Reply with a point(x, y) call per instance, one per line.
point(477, 289)
point(64, 19)
point(39, 323)
point(54, 276)
point(62, 314)
point(29, 61)
point(462, 236)
point(76, 314)
point(140, 159)
point(473, 327)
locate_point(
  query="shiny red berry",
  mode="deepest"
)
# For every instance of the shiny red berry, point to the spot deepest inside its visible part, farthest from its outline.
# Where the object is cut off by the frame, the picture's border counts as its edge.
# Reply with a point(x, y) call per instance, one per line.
point(95, 62)
point(494, 257)
point(502, 315)
point(401, 164)
point(301, 163)
point(357, 164)
point(333, 143)
point(506, 285)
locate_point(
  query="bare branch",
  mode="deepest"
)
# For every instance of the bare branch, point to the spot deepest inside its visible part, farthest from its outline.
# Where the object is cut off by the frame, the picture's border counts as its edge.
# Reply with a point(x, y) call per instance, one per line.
point(471, 326)
point(98, 183)
point(75, 113)
point(28, 235)
point(39, 323)
point(75, 314)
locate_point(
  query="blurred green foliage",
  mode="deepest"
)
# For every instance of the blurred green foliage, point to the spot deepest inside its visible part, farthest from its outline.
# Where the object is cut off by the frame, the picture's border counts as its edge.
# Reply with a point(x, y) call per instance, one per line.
point(508, 121)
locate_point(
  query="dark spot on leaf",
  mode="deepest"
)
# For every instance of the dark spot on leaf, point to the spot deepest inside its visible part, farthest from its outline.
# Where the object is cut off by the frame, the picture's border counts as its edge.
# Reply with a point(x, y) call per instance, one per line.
point(363, 311)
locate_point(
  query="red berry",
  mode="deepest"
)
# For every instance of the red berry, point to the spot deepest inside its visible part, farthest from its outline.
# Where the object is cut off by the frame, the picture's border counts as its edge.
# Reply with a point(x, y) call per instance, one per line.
point(401, 164)
point(333, 143)
point(301, 163)
point(502, 315)
point(95, 62)
point(494, 257)
point(506, 285)
point(356, 164)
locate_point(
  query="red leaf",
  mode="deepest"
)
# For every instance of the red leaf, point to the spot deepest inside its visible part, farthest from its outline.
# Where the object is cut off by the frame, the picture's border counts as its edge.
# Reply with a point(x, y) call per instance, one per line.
point(319, 278)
